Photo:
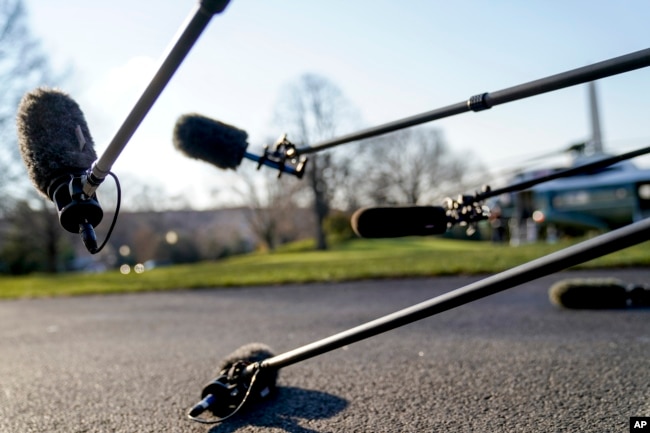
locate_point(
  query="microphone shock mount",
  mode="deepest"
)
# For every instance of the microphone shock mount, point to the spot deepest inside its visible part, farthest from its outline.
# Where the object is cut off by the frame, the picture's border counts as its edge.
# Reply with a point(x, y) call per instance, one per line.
point(283, 156)
point(79, 212)
point(467, 210)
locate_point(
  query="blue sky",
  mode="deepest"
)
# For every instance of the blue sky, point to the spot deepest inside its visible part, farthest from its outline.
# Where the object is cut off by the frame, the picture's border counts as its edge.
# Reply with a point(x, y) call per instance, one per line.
point(391, 60)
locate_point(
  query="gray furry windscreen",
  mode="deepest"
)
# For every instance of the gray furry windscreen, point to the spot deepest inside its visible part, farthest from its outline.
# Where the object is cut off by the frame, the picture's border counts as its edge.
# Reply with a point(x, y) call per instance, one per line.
point(47, 122)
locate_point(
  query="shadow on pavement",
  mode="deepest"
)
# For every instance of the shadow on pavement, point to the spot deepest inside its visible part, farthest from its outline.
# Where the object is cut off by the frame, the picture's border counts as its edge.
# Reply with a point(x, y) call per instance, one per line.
point(286, 410)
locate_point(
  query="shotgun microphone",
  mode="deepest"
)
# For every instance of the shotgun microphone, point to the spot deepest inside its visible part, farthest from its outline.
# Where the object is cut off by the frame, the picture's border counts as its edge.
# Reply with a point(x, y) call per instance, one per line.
point(224, 145)
point(598, 294)
point(394, 222)
point(57, 149)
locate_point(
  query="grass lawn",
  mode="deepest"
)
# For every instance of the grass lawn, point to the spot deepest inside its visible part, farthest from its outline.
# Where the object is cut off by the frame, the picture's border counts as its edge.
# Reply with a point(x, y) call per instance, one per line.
point(353, 260)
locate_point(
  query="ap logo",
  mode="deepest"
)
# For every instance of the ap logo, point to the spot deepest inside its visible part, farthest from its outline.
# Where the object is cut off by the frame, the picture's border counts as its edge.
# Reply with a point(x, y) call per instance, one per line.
point(640, 424)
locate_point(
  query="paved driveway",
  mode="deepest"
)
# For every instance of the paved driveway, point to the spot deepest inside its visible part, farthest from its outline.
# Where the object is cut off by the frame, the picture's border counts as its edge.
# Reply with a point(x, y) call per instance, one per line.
point(510, 362)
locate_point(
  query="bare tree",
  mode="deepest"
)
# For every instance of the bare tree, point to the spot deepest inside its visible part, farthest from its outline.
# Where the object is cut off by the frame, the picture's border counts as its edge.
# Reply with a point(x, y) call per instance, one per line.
point(314, 109)
point(413, 166)
point(141, 195)
point(271, 202)
point(23, 66)
point(33, 240)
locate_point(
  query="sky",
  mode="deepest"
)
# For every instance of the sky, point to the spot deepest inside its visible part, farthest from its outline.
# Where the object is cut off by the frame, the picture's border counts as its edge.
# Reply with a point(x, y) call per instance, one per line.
point(390, 59)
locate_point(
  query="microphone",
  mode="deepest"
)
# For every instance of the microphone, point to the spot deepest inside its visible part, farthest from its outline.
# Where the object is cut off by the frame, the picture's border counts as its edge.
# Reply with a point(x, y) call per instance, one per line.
point(240, 380)
point(57, 149)
point(598, 293)
point(394, 222)
point(224, 145)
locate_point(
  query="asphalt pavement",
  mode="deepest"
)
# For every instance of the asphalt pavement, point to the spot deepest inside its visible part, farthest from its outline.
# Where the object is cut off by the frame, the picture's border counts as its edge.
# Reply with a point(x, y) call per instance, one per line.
point(511, 362)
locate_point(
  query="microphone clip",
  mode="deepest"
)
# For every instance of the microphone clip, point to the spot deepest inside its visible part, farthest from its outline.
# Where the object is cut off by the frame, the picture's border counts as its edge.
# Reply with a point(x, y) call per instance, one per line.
point(283, 156)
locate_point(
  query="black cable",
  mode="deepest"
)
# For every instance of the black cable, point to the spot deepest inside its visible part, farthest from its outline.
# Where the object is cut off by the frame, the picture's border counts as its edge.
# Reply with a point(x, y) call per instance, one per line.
point(117, 211)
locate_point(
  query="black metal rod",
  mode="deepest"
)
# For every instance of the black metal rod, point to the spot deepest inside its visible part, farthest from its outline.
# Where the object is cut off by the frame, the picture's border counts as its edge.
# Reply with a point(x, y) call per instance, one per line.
point(596, 165)
point(614, 66)
point(189, 34)
point(602, 245)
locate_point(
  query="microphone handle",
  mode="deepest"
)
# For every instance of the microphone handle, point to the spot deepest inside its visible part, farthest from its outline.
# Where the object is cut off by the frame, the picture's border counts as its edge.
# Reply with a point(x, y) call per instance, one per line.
point(202, 406)
point(88, 237)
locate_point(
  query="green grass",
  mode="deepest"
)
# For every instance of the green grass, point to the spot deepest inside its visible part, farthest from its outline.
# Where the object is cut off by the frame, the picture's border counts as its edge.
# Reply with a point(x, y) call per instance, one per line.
point(297, 263)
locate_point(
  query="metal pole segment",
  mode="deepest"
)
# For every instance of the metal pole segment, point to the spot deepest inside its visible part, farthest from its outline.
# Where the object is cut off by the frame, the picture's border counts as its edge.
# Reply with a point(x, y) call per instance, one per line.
point(596, 71)
point(602, 245)
point(617, 65)
point(189, 34)
point(596, 165)
point(396, 125)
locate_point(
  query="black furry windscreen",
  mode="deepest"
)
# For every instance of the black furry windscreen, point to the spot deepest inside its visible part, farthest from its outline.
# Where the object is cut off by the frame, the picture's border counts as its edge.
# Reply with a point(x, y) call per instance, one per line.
point(209, 140)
